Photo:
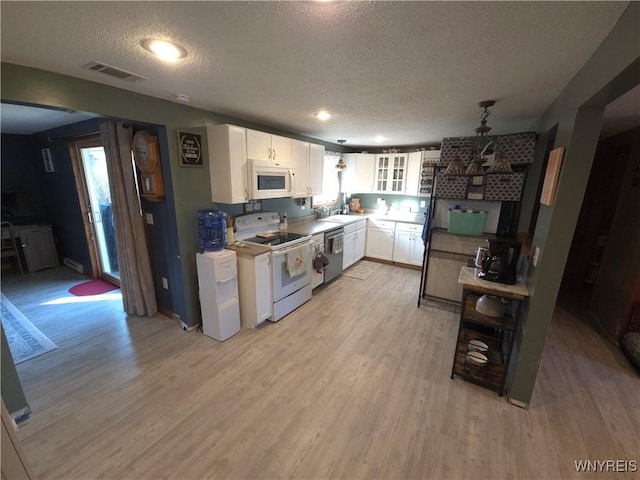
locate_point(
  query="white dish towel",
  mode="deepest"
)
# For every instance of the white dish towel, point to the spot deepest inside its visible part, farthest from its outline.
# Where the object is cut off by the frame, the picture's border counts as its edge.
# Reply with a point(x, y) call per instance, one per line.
point(297, 260)
point(338, 243)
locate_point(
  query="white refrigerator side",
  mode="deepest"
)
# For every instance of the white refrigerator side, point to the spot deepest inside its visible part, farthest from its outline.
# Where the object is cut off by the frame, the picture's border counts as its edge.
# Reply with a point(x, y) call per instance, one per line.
point(218, 292)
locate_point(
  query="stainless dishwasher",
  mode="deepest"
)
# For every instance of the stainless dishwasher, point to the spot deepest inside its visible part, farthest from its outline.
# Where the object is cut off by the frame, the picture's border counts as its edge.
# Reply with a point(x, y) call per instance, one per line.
point(333, 248)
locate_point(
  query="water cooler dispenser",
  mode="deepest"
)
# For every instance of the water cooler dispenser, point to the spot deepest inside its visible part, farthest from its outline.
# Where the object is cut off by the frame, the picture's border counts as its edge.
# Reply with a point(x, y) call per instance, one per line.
point(217, 278)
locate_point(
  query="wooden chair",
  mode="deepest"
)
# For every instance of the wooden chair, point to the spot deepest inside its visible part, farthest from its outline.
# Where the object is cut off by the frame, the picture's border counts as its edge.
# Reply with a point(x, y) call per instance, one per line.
point(9, 245)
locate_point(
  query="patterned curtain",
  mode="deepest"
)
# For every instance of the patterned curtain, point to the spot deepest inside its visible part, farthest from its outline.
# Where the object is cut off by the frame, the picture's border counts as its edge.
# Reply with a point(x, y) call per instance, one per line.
point(136, 280)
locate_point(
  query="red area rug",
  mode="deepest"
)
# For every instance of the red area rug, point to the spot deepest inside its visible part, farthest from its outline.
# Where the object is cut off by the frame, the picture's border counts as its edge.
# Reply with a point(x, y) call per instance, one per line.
point(92, 287)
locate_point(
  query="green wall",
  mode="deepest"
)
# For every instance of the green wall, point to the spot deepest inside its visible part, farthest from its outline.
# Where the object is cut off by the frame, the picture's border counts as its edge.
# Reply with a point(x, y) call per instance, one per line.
point(191, 186)
point(613, 69)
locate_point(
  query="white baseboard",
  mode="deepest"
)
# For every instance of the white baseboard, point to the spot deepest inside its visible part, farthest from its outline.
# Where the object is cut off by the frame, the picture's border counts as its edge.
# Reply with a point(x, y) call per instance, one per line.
point(73, 265)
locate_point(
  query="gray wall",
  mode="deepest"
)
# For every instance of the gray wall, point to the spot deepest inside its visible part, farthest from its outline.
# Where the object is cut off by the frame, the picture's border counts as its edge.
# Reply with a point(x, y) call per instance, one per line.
point(618, 283)
point(613, 69)
point(188, 189)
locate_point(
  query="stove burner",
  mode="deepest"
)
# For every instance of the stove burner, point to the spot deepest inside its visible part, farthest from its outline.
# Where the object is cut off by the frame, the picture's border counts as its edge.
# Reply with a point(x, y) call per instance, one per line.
point(275, 238)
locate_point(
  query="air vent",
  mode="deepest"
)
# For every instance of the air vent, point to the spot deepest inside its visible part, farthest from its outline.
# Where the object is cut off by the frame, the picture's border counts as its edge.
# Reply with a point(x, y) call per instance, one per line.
point(114, 72)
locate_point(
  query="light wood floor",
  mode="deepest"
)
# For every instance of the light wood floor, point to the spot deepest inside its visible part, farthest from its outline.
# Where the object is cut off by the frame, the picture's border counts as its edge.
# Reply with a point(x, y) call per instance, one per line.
point(354, 384)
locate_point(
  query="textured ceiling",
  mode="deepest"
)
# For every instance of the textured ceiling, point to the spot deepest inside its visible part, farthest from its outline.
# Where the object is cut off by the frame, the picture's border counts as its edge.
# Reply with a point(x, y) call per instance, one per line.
point(412, 72)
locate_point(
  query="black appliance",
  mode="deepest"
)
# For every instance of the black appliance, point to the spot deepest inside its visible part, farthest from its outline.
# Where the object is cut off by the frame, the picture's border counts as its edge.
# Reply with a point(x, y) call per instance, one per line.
point(500, 264)
point(333, 246)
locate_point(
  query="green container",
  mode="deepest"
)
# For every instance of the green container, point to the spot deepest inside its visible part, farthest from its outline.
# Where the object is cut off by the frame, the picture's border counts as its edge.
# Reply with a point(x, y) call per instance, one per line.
point(465, 223)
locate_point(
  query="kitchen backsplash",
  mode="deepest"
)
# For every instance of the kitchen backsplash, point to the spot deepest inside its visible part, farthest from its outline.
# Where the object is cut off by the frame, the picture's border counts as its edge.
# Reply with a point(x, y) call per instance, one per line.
point(290, 206)
point(402, 202)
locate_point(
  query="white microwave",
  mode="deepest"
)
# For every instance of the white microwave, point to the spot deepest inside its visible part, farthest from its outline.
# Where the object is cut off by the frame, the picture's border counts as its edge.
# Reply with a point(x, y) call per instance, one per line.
point(268, 180)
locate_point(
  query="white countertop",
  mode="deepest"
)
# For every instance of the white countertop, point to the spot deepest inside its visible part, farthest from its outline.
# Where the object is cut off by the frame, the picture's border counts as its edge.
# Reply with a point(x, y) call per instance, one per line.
point(469, 279)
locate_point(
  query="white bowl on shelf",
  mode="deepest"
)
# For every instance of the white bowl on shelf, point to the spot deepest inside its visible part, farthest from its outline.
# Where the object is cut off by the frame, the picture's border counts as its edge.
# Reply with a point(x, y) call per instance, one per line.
point(477, 359)
point(490, 306)
point(477, 346)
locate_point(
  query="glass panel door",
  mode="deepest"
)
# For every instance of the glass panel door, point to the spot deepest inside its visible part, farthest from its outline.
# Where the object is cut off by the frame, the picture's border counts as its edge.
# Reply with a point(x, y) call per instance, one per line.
point(397, 184)
point(383, 173)
point(94, 166)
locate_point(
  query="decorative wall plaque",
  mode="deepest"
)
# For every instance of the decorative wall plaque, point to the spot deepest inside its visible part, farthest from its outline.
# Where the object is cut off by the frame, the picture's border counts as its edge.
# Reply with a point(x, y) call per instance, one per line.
point(190, 148)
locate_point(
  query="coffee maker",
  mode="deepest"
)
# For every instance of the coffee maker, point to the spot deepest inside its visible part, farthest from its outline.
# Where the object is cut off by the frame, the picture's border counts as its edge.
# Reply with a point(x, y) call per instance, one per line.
point(500, 264)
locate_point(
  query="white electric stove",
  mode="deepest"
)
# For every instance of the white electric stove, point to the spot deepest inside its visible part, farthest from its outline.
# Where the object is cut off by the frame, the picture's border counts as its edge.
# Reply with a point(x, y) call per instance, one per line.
point(288, 291)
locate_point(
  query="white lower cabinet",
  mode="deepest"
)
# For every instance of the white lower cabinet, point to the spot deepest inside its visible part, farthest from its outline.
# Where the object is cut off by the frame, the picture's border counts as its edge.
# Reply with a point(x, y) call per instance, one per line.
point(349, 247)
point(254, 288)
point(38, 247)
point(380, 235)
point(408, 246)
point(360, 240)
point(355, 236)
point(448, 254)
point(442, 276)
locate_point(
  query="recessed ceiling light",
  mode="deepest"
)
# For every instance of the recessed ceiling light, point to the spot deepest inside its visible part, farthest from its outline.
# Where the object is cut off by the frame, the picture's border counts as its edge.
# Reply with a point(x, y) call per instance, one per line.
point(379, 139)
point(323, 115)
point(183, 98)
point(164, 50)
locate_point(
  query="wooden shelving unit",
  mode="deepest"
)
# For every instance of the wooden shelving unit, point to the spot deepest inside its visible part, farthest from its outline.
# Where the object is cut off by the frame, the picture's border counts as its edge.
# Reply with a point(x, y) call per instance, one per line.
point(498, 333)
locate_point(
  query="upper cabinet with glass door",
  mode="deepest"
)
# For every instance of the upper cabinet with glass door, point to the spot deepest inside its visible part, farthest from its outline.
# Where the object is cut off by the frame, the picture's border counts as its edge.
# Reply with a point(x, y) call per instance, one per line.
point(390, 173)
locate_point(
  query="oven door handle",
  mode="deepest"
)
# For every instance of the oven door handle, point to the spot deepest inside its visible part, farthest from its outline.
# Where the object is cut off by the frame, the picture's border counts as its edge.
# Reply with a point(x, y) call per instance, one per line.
point(279, 253)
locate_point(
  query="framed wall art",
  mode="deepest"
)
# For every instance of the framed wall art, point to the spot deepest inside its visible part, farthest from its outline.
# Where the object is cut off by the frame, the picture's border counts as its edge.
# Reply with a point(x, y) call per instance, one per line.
point(550, 185)
point(190, 149)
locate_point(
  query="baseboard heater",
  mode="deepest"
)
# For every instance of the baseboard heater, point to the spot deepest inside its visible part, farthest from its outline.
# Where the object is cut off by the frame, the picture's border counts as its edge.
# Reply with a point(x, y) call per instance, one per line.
point(73, 265)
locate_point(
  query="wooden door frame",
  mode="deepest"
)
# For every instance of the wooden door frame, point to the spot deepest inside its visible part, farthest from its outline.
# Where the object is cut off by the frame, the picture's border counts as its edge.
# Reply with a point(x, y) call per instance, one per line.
point(75, 145)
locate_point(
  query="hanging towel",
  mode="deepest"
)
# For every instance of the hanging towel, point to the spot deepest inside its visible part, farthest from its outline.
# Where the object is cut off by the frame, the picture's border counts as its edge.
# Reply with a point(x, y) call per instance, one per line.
point(320, 262)
point(338, 243)
point(297, 260)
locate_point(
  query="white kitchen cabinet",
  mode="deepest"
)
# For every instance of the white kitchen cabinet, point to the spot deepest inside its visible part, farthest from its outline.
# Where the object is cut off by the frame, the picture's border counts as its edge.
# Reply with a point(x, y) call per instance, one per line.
point(420, 171)
point(316, 169)
point(355, 235)
point(38, 246)
point(254, 289)
point(349, 246)
point(380, 235)
point(264, 146)
point(359, 175)
point(390, 173)
point(308, 161)
point(442, 276)
point(360, 240)
point(448, 254)
point(412, 184)
point(408, 245)
point(300, 158)
point(228, 163)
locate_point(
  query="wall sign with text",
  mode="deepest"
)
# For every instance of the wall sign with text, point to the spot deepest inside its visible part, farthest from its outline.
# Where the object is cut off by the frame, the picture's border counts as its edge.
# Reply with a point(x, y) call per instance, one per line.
point(190, 147)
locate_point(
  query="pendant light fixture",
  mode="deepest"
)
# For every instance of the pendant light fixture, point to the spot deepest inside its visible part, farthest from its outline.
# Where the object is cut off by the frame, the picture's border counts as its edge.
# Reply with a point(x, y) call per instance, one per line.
point(500, 164)
point(455, 167)
point(341, 165)
point(482, 141)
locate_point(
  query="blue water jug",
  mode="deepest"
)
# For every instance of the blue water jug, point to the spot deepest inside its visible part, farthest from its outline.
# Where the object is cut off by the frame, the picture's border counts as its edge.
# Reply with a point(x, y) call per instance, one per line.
point(212, 229)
